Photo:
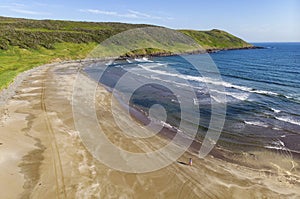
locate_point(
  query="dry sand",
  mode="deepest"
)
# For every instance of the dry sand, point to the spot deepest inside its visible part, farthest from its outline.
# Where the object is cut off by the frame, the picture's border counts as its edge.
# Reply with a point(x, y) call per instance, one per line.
point(42, 155)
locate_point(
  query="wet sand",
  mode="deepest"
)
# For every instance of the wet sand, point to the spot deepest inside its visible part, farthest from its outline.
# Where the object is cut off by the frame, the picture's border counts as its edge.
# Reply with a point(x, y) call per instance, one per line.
point(42, 155)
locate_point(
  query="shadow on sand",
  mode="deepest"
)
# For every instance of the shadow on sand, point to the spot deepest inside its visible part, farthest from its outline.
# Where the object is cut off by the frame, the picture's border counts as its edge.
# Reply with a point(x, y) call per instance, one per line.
point(183, 163)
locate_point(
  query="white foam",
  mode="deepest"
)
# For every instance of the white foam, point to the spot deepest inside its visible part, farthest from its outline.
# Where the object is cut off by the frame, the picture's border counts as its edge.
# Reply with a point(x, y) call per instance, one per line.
point(277, 145)
point(129, 61)
point(168, 81)
point(196, 101)
point(161, 64)
point(275, 110)
point(209, 81)
point(150, 66)
point(236, 95)
point(256, 123)
point(289, 120)
point(144, 59)
point(109, 63)
point(293, 97)
point(119, 66)
point(283, 136)
point(167, 125)
point(239, 96)
point(264, 92)
point(218, 100)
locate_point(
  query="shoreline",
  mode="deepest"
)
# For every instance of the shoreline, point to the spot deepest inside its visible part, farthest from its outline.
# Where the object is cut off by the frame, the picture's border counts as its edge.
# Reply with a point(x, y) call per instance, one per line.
point(201, 51)
point(209, 51)
point(68, 169)
point(9, 92)
point(220, 152)
point(243, 159)
point(224, 153)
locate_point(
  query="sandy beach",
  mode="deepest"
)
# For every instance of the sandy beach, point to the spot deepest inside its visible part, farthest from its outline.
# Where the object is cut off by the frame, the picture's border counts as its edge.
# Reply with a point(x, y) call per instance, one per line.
point(42, 154)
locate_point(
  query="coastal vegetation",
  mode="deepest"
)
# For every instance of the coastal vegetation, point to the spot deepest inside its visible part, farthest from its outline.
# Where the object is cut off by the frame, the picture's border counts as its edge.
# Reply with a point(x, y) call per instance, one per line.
point(26, 43)
point(216, 39)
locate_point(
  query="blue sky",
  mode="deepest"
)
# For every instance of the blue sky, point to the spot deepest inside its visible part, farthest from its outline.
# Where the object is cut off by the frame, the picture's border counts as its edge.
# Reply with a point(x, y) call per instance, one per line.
point(252, 20)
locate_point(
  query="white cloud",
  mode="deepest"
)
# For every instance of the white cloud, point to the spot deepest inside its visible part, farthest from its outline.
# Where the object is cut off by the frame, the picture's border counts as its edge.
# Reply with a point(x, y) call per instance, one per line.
point(110, 13)
point(130, 14)
point(30, 12)
point(39, 4)
point(22, 9)
point(142, 15)
point(100, 12)
point(18, 5)
point(4, 6)
point(145, 15)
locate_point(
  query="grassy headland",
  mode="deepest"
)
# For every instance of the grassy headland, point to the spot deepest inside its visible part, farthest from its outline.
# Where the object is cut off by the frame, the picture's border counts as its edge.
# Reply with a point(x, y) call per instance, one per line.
point(26, 43)
point(216, 39)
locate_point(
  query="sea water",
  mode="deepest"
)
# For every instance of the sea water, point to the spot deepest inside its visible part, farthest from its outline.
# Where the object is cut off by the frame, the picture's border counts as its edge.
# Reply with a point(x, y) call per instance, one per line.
point(262, 88)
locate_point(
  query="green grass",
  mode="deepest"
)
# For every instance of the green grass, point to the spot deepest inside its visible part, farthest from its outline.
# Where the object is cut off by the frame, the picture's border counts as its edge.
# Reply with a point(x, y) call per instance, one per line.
point(16, 60)
point(27, 33)
point(216, 39)
point(26, 43)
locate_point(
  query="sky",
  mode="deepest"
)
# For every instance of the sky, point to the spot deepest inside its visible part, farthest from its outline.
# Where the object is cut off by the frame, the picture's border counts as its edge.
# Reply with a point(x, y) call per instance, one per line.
point(252, 20)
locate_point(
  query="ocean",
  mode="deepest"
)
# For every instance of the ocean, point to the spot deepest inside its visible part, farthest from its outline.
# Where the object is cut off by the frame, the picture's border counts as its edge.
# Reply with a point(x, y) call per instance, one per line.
point(262, 89)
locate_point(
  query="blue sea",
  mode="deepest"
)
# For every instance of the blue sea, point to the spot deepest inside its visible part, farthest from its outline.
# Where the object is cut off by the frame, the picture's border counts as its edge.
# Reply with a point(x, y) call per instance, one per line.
point(262, 88)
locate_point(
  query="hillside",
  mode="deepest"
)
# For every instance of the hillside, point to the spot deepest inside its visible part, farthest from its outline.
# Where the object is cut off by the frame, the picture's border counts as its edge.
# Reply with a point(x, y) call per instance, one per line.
point(31, 34)
point(26, 43)
point(216, 39)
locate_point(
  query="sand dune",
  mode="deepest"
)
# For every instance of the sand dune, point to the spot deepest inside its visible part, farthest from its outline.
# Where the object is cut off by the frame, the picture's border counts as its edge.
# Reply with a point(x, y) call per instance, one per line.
point(42, 154)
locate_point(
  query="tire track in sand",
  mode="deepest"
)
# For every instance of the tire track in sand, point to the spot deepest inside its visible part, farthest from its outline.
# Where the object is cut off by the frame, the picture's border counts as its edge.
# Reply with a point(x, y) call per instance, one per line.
point(59, 176)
